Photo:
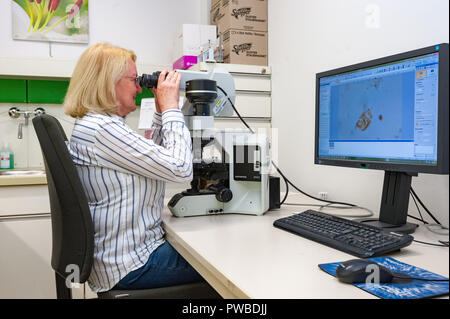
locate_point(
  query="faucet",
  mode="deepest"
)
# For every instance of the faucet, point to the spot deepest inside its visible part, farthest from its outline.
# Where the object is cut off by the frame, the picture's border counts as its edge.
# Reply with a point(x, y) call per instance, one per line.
point(26, 115)
point(19, 134)
point(15, 113)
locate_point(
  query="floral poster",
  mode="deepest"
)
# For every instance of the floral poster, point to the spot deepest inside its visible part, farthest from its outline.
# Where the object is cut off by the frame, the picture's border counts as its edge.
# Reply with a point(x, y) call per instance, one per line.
point(50, 20)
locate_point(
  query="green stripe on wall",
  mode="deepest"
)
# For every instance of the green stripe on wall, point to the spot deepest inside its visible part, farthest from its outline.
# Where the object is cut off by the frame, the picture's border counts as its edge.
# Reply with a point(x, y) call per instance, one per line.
point(13, 90)
point(42, 91)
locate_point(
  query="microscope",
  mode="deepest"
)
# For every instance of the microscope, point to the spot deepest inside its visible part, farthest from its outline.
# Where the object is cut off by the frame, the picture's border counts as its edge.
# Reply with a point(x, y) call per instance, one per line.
point(230, 167)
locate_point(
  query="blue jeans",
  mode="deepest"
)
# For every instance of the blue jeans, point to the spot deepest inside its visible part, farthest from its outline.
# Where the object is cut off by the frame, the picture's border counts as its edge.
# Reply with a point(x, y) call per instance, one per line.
point(165, 267)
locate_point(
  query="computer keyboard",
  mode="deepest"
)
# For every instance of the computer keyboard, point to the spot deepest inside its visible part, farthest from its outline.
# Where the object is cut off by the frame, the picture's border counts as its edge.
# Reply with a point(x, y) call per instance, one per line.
point(345, 235)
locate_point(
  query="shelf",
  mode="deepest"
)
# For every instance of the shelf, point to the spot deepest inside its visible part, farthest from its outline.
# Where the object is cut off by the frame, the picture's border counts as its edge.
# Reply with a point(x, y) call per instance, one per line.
point(15, 180)
point(233, 68)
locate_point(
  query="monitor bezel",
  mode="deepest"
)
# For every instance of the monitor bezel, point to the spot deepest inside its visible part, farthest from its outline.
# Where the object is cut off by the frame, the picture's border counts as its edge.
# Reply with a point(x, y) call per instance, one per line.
point(442, 166)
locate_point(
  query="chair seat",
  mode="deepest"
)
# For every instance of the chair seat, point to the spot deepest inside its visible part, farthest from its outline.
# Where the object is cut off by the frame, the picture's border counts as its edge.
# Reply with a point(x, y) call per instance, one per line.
point(201, 290)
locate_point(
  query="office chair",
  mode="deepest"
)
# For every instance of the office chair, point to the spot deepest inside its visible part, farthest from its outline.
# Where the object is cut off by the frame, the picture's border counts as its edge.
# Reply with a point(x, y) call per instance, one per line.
point(72, 227)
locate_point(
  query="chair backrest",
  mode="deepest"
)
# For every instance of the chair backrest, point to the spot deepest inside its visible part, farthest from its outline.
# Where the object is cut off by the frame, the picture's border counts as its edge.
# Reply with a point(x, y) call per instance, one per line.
point(72, 228)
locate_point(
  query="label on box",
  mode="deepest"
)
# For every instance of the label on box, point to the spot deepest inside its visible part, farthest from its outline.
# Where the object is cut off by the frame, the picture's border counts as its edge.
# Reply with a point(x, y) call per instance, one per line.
point(245, 47)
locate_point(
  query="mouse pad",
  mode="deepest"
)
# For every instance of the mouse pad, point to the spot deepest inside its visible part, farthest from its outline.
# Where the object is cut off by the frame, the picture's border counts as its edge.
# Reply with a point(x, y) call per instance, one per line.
point(401, 288)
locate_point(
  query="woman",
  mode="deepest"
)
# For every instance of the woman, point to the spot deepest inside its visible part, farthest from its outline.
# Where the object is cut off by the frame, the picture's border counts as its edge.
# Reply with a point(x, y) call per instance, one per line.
point(124, 174)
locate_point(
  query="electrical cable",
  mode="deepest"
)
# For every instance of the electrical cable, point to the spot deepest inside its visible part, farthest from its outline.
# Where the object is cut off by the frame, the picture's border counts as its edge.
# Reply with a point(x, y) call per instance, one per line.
point(234, 108)
point(418, 209)
point(287, 181)
point(308, 195)
point(418, 219)
point(369, 214)
point(423, 205)
point(427, 225)
point(395, 275)
point(286, 194)
point(431, 244)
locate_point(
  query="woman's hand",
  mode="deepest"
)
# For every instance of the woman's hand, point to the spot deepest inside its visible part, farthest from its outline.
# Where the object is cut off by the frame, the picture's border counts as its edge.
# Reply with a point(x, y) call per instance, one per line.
point(158, 108)
point(168, 91)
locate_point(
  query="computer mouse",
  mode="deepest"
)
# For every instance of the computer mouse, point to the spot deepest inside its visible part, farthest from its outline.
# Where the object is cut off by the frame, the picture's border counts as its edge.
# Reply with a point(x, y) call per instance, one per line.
point(363, 271)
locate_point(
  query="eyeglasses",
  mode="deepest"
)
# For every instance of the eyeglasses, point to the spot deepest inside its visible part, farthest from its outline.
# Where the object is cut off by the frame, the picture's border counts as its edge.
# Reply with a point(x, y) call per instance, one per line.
point(135, 79)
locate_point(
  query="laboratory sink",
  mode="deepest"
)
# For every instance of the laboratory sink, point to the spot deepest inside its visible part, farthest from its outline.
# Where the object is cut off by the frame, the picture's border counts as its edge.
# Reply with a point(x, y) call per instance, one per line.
point(17, 172)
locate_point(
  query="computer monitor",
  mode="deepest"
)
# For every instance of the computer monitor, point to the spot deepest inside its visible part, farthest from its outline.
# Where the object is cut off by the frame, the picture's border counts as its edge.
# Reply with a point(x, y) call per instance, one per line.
point(389, 114)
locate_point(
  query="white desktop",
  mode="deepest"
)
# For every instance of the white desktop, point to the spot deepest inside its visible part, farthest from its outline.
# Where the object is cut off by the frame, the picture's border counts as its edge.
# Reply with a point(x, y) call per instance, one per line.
point(245, 256)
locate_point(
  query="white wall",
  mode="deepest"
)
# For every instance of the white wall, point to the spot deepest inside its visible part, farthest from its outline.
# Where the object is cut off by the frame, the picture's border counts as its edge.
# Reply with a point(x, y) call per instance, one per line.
point(146, 26)
point(307, 37)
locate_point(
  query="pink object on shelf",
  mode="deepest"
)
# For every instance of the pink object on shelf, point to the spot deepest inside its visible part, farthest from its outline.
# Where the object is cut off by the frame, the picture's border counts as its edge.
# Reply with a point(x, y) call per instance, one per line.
point(185, 62)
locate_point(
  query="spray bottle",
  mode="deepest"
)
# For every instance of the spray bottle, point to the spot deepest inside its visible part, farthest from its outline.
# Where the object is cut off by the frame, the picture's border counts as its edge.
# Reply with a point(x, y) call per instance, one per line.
point(6, 157)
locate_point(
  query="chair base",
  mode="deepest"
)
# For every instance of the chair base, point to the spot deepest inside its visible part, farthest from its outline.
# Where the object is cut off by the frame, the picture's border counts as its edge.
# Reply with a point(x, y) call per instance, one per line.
point(62, 292)
point(200, 290)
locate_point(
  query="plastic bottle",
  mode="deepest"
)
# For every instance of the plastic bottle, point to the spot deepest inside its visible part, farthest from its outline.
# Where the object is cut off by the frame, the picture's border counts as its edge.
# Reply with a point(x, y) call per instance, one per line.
point(6, 157)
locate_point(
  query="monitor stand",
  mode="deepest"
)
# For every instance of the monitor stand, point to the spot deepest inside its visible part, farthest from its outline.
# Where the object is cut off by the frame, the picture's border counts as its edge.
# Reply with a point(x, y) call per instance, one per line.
point(394, 203)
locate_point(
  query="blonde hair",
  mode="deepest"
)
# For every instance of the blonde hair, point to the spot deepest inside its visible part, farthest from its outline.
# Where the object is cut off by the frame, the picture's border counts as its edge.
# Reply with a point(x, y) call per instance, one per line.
point(92, 86)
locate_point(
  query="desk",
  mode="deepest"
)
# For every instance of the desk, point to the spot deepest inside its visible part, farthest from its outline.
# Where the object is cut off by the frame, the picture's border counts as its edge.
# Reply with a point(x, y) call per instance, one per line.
point(244, 256)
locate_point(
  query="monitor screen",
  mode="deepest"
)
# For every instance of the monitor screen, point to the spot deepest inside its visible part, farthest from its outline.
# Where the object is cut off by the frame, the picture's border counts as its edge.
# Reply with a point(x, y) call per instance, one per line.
point(382, 114)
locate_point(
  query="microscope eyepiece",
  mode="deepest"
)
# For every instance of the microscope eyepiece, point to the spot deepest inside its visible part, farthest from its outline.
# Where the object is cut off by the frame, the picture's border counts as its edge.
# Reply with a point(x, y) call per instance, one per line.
point(149, 80)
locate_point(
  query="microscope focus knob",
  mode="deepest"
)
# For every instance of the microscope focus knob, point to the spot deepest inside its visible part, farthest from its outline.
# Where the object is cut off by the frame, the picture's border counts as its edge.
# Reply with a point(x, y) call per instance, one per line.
point(224, 195)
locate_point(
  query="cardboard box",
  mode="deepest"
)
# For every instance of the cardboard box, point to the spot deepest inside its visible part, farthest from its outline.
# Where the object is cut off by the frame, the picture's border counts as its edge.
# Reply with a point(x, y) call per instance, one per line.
point(214, 3)
point(248, 15)
point(191, 37)
point(245, 47)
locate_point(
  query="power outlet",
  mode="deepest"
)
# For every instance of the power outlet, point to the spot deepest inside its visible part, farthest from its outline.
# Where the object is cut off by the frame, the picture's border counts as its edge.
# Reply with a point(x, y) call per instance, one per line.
point(323, 195)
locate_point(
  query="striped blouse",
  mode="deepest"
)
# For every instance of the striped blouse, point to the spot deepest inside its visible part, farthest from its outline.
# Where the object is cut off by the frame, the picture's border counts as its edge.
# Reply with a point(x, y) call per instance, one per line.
point(123, 175)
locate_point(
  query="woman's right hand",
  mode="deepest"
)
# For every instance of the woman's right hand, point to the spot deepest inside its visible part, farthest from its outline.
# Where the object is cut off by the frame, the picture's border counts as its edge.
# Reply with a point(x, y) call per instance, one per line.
point(168, 91)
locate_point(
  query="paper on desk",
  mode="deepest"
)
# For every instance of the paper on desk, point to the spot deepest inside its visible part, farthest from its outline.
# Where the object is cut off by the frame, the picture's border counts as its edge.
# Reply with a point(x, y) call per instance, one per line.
point(148, 107)
point(146, 114)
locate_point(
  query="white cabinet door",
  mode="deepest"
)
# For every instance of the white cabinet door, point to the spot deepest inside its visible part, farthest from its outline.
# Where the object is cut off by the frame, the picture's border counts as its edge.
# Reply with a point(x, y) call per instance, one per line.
point(252, 82)
point(253, 104)
point(25, 250)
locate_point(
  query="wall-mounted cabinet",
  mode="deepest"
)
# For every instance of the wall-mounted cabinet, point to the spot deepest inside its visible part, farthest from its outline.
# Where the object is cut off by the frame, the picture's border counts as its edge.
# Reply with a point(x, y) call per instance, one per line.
point(13, 91)
point(33, 91)
point(45, 91)
point(42, 91)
